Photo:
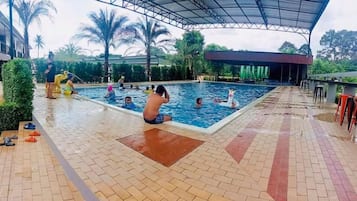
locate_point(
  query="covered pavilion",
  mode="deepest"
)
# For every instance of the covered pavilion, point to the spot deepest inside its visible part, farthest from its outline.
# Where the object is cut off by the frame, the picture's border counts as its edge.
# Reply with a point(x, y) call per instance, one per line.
point(283, 68)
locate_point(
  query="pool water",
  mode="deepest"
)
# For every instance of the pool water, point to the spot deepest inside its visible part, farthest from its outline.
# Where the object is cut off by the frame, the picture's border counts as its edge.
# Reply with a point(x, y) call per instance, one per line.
point(183, 98)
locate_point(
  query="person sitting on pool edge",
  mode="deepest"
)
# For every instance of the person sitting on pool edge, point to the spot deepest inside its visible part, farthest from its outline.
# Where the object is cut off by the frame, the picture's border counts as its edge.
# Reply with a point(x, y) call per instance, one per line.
point(198, 103)
point(128, 103)
point(121, 82)
point(151, 113)
point(69, 89)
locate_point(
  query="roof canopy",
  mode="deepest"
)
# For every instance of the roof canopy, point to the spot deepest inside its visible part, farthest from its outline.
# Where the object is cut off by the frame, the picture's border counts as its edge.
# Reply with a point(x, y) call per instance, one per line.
point(298, 16)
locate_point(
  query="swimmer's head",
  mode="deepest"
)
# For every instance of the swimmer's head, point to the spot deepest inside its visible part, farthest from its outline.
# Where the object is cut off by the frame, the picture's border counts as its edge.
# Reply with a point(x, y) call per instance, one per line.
point(110, 88)
point(128, 100)
point(160, 90)
point(69, 76)
point(199, 101)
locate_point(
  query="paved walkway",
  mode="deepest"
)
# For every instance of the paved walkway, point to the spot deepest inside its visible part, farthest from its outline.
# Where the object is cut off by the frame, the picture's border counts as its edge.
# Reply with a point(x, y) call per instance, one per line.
point(284, 148)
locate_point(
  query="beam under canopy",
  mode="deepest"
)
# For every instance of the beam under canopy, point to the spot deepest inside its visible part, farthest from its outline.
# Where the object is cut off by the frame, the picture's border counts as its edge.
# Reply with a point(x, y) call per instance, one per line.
point(297, 16)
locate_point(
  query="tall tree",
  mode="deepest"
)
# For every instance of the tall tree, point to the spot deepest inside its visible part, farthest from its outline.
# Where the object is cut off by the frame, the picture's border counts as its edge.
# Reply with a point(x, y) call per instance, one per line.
point(39, 44)
point(215, 67)
point(69, 52)
point(30, 11)
point(107, 29)
point(304, 49)
point(190, 48)
point(215, 47)
point(288, 47)
point(150, 34)
point(338, 45)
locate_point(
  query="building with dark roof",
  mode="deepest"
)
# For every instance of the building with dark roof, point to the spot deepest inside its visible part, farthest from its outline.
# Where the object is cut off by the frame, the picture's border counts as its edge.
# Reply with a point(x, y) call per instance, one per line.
point(5, 40)
point(283, 68)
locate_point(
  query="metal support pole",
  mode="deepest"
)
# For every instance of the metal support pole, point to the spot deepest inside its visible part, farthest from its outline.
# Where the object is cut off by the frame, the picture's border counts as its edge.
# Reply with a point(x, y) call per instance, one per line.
point(309, 48)
point(11, 31)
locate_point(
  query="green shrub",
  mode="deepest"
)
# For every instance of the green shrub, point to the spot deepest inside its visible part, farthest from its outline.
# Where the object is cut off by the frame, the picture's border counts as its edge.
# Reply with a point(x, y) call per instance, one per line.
point(18, 93)
point(156, 73)
point(138, 74)
point(9, 116)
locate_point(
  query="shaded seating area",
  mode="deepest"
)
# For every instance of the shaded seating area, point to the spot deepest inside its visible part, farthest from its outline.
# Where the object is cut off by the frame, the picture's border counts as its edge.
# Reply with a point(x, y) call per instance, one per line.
point(326, 91)
point(275, 68)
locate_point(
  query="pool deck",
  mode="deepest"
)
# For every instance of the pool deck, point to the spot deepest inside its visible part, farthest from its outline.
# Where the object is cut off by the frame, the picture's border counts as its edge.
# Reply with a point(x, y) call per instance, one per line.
point(284, 148)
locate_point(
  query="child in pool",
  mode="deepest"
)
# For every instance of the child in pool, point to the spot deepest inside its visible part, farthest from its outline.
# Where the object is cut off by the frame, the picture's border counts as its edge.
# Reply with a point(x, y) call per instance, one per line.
point(198, 103)
point(128, 104)
point(110, 96)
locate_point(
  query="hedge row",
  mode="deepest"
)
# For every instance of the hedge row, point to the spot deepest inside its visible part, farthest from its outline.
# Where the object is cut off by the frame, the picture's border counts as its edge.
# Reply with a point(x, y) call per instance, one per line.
point(18, 93)
point(93, 72)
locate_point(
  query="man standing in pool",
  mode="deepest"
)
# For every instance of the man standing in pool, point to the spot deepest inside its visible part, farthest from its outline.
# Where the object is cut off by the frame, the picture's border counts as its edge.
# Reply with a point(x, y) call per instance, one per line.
point(151, 111)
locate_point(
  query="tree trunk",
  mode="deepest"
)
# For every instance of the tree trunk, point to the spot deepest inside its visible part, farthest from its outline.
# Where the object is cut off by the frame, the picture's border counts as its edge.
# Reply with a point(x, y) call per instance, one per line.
point(106, 63)
point(148, 61)
point(27, 46)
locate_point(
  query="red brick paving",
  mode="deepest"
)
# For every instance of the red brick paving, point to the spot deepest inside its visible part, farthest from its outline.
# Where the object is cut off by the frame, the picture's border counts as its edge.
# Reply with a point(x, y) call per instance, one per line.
point(161, 146)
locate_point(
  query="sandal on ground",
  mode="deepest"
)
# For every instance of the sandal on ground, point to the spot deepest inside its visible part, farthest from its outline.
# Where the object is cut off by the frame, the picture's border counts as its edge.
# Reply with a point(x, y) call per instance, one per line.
point(14, 137)
point(30, 126)
point(8, 142)
point(31, 139)
point(35, 133)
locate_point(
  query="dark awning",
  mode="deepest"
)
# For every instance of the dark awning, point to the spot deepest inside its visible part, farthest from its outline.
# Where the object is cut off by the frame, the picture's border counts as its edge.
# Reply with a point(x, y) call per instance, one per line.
point(256, 58)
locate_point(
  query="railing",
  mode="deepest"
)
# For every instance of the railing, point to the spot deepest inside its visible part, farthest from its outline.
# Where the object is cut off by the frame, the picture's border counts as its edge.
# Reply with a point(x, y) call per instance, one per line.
point(3, 48)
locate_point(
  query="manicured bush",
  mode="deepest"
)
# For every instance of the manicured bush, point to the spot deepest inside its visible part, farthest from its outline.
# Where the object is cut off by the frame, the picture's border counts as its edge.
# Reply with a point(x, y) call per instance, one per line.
point(165, 72)
point(138, 74)
point(18, 93)
point(156, 73)
point(122, 70)
point(92, 72)
point(9, 116)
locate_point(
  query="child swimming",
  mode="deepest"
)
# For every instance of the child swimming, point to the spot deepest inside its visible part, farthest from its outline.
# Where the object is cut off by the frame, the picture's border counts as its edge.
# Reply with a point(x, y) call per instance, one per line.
point(110, 96)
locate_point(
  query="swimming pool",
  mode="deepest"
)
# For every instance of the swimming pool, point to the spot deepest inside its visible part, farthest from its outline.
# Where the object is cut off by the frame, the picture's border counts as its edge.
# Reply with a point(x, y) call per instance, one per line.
point(182, 100)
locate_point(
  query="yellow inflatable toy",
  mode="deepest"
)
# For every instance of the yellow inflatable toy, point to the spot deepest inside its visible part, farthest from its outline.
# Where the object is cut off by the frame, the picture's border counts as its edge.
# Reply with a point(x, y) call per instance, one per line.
point(58, 79)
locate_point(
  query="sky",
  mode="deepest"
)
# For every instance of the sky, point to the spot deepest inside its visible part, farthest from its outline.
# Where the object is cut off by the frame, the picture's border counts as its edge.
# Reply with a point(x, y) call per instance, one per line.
point(71, 14)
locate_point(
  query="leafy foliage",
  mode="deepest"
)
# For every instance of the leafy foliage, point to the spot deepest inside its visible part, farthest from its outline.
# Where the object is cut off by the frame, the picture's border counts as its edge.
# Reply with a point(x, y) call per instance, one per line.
point(323, 66)
point(107, 29)
point(18, 93)
point(148, 34)
point(337, 46)
point(215, 67)
point(9, 118)
point(29, 11)
point(39, 44)
point(189, 51)
point(288, 47)
point(70, 52)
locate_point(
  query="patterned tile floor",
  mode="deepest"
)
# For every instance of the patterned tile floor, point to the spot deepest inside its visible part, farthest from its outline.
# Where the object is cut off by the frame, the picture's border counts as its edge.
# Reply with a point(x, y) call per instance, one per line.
point(284, 148)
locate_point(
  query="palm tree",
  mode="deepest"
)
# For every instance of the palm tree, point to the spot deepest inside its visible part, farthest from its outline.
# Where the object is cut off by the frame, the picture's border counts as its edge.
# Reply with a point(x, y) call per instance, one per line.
point(29, 11)
point(68, 52)
point(108, 30)
point(39, 44)
point(147, 34)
